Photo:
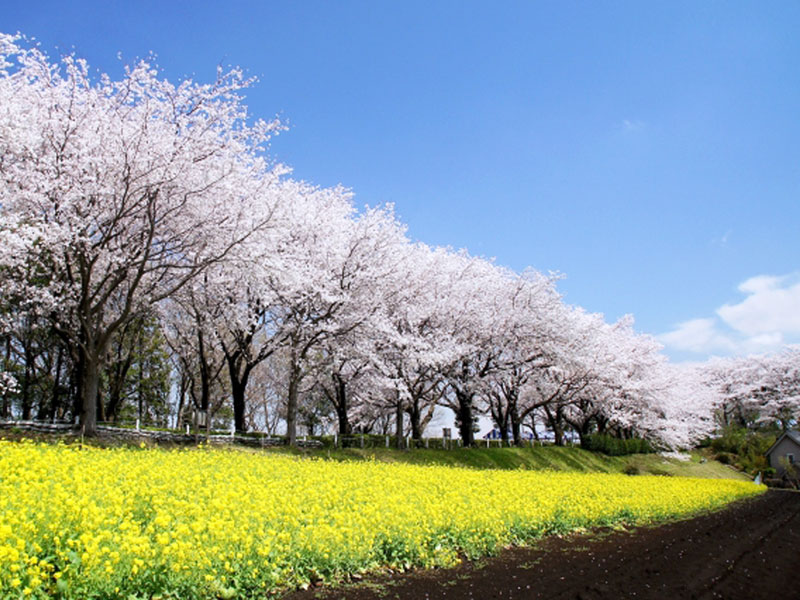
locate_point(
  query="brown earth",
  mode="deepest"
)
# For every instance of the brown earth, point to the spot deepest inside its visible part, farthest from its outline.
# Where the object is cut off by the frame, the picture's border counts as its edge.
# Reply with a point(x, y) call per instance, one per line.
point(749, 550)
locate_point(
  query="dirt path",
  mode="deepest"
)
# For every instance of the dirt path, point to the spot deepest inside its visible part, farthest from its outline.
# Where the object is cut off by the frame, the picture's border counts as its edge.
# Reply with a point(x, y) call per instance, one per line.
point(750, 550)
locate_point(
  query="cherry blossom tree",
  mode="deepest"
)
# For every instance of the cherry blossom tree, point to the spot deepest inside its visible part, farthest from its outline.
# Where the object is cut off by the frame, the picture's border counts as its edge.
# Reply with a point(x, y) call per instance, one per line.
point(757, 389)
point(532, 341)
point(490, 311)
point(332, 280)
point(411, 346)
point(123, 190)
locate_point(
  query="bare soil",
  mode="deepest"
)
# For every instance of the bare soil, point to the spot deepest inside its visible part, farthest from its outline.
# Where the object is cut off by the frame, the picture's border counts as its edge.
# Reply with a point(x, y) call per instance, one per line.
point(749, 550)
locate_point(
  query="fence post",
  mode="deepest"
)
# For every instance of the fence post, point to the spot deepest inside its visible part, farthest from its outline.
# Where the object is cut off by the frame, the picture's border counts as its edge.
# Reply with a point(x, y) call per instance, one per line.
point(187, 429)
point(387, 441)
point(362, 440)
point(426, 442)
point(233, 430)
point(137, 424)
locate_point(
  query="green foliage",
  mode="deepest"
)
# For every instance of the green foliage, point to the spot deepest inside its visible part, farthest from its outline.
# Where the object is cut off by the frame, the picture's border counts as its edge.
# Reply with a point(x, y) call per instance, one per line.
point(631, 470)
point(791, 471)
point(222, 418)
point(732, 439)
point(136, 380)
point(744, 448)
point(613, 446)
point(726, 458)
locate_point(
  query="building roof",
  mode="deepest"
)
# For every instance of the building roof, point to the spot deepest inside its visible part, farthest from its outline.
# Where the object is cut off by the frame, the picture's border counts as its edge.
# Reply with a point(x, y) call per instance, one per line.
point(791, 434)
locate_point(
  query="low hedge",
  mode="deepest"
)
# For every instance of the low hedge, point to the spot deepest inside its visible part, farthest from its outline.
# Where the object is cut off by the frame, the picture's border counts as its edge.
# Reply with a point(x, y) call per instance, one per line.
point(613, 446)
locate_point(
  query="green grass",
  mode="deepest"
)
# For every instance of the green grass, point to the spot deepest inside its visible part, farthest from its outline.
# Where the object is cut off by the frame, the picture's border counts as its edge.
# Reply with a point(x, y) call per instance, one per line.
point(542, 458)
point(539, 458)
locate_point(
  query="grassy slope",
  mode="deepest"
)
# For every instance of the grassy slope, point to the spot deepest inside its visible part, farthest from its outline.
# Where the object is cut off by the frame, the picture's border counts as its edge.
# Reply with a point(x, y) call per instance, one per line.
point(539, 458)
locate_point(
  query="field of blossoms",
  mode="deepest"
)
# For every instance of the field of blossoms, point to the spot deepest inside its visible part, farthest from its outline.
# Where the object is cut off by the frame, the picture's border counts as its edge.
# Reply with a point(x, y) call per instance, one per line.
point(202, 523)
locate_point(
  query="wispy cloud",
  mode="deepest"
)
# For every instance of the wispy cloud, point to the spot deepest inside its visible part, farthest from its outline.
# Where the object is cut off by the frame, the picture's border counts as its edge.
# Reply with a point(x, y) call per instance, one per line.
point(722, 240)
point(768, 318)
point(631, 125)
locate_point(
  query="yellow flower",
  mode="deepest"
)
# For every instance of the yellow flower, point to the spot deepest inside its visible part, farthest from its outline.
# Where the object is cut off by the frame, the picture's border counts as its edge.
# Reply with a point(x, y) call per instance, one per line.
point(192, 516)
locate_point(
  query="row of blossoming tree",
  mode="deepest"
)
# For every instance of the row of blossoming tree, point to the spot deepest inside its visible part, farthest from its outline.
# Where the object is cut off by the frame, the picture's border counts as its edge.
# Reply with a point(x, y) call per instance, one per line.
point(148, 244)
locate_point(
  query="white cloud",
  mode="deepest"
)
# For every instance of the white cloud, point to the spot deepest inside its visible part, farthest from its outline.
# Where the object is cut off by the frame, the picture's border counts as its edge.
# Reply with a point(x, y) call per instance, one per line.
point(700, 336)
point(765, 320)
point(772, 306)
point(767, 340)
point(761, 283)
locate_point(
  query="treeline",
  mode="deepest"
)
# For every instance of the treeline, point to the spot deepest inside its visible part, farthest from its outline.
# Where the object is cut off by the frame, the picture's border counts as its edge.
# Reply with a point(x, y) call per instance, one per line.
point(154, 263)
point(135, 382)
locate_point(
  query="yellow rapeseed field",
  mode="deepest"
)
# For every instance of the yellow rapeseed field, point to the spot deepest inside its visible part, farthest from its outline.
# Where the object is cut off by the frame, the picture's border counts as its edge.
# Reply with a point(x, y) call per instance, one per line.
point(202, 523)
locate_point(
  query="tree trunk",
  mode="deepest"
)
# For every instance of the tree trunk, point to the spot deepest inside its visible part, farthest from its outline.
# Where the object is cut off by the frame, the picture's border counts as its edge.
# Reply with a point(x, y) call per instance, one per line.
point(239, 374)
point(497, 410)
point(344, 422)
point(140, 377)
point(415, 416)
point(602, 423)
point(533, 427)
point(90, 380)
point(205, 377)
point(465, 418)
point(516, 424)
point(504, 430)
point(26, 383)
point(585, 429)
point(555, 426)
point(291, 402)
point(6, 408)
point(55, 399)
point(582, 425)
point(399, 431)
point(239, 371)
point(237, 391)
point(181, 402)
point(340, 395)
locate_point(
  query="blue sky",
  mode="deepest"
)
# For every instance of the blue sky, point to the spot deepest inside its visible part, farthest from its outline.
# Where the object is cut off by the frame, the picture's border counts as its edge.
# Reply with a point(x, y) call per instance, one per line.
point(650, 151)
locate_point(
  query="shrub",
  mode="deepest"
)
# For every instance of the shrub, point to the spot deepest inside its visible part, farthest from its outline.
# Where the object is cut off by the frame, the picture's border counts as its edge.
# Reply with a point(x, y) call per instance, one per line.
point(660, 472)
point(631, 470)
point(723, 457)
point(744, 448)
point(732, 439)
point(613, 446)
